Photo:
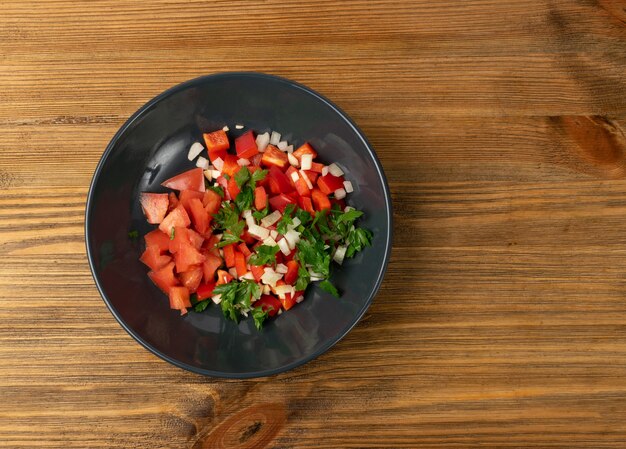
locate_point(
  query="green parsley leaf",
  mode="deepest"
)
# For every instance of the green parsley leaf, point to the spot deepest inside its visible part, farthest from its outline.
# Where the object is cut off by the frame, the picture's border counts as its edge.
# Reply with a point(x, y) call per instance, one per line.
point(227, 219)
point(261, 214)
point(244, 198)
point(242, 176)
point(264, 255)
point(357, 240)
point(304, 217)
point(226, 176)
point(202, 305)
point(172, 233)
point(259, 316)
point(231, 236)
point(312, 253)
point(257, 176)
point(133, 235)
point(237, 296)
point(348, 217)
point(326, 285)
point(303, 279)
point(286, 219)
point(216, 189)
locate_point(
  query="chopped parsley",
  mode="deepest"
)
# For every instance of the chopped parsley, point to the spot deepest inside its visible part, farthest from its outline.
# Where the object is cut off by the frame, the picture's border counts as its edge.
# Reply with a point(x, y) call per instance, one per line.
point(237, 297)
point(326, 285)
point(264, 255)
point(172, 233)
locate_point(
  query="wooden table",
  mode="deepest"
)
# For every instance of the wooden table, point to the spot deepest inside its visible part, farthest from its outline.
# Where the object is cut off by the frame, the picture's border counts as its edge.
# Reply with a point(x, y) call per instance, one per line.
point(502, 318)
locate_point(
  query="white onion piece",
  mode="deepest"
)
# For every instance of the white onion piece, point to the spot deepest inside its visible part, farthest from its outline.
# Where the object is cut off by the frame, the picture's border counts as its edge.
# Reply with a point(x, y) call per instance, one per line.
point(299, 299)
point(281, 268)
point(267, 290)
point(270, 219)
point(194, 151)
point(243, 162)
point(233, 272)
point(203, 163)
point(270, 277)
point(340, 253)
point(306, 179)
point(340, 194)
point(314, 274)
point(258, 232)
point(306, 161)
point(269, 241)
point(284, 247)
point(292, 160)
point(208, 174)
point(295, 223)
point(289, 149)
point(248, 275)
point(348, 209)
point(246, 213)
point(250, 221)
point(282, 145)
point(334, 170)
point(225, 129)
point(348, 186)
point(216, 174)
point(217, 298)
point(284, 289)
point(218, 164)
point(273, 234)
point(294, 176)
point(292, 237)
point(238, 126)
point(275, 138)
point(324, 170)
point(262, 141)
point(316, 278)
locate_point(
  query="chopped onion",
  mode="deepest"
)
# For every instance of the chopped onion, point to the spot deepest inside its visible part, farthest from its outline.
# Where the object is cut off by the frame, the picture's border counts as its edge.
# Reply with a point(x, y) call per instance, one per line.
point(218, 164)
point(306, 160)
point(262, 141)
point(269, 241)
point(348, 209)
point(267, 290)
point(233, 272)
point(225, 129)
point(281, 268)
point(348, 186)
point(299, 299)
point(249, 218)
point(216, 174)
point(203, 163)
point(282, 145)
point(248, 275)
point(340, 253)
point(258, 231)
point(316, 278)
point(246, 213)
point(280, 312)
point(293, 160)
point(207, 174)
point(216, 298)
point(340, 194)
point(284, 289)
point(334, 170)
point(275, 138)
point(238, 126)
point(306, 179)
point(270, 277)
point(289, 149)
point(273, 234)
point(284, 247)
point(194, 151)
point(292, 238)
point(314, 274)
point(295, 223)
point(271, 219)
point(324, 170)
point(243, 162)
point(294, 176)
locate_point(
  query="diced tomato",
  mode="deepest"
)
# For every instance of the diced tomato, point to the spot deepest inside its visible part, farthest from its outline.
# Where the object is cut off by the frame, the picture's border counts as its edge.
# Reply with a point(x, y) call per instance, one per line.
point(186, 196)
point(199, 215)
point(312, 176)
point(187, 256)
point(209, 245)
point(256, 159)
point(279, 257)
point(302, 187)
point(233, 188)
point(269, 304)
point(164, 278)
point(190, 180)
point(177, 217)
point(257, 272)
point(274, 157)
point(305, 148)
point(210, 265)
point(216, 141)
point(223, 277)
point(281, 179)
point(229, 255)
point(246, 145)
point(279, 202)
point(223, 183)
point(260, 198)
point(244, 249)
point(179, 299)
point(292, 272)
point(329, 183)
point(320, 200)
point(306, 204)
point(173, 202)
point(240, 264)
point(211, 202)
point(195, 239)
point(180, 236)
point(152, 257)
point(154, 206)
point(288, 302)
point(205, 291)
point(191, 278)
point(316, 167)
point(159, 239)
point(230, 165)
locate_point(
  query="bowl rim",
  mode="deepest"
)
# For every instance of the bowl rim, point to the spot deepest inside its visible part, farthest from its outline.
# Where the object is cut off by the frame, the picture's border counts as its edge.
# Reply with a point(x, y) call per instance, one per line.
point(190, 84)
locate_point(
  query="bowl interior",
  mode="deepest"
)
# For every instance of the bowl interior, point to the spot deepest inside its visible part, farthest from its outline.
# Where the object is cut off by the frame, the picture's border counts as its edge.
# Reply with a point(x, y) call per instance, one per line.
point(152, 147)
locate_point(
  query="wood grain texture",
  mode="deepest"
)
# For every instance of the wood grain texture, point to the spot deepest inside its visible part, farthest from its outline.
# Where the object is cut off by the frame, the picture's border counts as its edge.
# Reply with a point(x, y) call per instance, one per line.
point(501, 127)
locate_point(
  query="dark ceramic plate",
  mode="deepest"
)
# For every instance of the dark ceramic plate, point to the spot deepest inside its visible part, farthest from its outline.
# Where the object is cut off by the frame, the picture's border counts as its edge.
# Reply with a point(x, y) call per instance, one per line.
point(152, 146)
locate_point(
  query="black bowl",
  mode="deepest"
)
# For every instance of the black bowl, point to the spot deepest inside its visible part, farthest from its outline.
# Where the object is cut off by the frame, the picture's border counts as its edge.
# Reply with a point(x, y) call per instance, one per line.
point(152, 146)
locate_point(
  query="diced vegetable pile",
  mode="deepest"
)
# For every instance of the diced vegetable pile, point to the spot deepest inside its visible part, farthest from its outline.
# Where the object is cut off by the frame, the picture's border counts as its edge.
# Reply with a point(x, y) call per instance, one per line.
point(249, 231)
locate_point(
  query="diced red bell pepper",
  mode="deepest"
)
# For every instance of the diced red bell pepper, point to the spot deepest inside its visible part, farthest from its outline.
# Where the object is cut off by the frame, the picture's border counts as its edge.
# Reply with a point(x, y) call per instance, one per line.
point(229, 255)
point(190, 180)
point(305, 148)
point(329, 183)
point(279, 202)
point(244, 249)
point(269, 304)
point(256, 159)
point(230, 165)
point(311, 175)
point(223, 277)
point(205, 291)
point(216, 144)
point(257, 272)
point(306, 204)
point(152, 258)
point(281, 180)
point(210, 265)
point(292, 272)
point(159, 239)
point(199, 215)
point(246, 145)
point(274, 157)
point(179, 299)
point(233, 188)
point(164, 278)
point(211, 202)
point(248, 238)
point(186, 196)
point(177, 217)
point(260, 198)
point(289, 256)
point(289, 173)
point(191, 278)
point(240, 264)
point(316, 167)
point(223, 183)
point(320, 200)
point(302, 187)
point(187, 256)
point(154, 206)
point(288, 302)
